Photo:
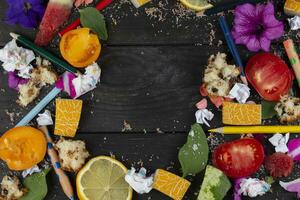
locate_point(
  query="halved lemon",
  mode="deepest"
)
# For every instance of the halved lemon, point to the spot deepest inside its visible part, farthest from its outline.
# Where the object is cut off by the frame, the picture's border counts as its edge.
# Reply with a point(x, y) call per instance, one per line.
point(197, 5)
point(103, 178)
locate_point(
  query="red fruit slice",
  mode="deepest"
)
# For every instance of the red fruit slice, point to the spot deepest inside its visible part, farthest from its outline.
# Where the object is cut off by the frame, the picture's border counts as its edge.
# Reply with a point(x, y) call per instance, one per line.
point(279, 165)
point(239, 158)
point(57, 12)
point(269, 75)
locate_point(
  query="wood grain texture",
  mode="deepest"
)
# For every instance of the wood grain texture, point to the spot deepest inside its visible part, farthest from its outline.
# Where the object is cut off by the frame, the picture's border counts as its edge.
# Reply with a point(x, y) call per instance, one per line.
point(151, 72)
point(149, 87)
point(151, 151)
point(169, 25)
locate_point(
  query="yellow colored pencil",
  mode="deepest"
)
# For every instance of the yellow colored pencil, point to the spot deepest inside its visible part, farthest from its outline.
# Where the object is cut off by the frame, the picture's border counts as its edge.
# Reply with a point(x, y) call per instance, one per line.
point(256, 129)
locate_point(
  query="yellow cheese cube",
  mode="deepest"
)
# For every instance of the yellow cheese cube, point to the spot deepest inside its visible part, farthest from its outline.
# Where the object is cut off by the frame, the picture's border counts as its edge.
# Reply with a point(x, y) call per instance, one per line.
point(241, 114)
point(292, 7)
point(139, 3)
point(170, 184)
point(67, 117)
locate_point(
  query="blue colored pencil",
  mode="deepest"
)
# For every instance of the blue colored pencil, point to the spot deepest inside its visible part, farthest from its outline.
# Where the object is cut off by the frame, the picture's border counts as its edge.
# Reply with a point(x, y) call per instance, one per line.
point(232, 47)
point(39, 107)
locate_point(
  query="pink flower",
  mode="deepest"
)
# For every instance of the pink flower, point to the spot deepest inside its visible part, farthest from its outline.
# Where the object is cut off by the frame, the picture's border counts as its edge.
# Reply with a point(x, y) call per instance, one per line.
point(256, 26)
point(80, 2)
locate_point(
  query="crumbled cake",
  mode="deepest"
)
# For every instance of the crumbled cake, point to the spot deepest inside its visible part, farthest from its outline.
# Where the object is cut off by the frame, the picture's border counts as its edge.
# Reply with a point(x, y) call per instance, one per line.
point(40, 76)
point(288, 109)
point(43, 75)
point(72, 154)
point(11, 188)
point(27, 93)
point(219, 76)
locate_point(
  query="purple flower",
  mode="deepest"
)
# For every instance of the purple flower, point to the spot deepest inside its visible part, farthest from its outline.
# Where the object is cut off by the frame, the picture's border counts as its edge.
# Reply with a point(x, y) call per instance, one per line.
point(237, 187)
point(14, 81)
point(255, 26)
point(27, 13)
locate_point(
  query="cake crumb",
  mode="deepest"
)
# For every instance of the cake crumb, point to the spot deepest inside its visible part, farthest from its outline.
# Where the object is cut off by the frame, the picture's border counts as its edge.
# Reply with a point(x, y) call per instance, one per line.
point(11, 115)
point(126, 126)
point(11, 188)
point(72, 154)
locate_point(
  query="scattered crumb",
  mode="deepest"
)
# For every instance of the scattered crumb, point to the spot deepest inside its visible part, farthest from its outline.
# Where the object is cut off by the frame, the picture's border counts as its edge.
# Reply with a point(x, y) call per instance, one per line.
point(155, 13)
point(220, 42)
point(171, 166)
point(126, 126)
point(112, 155)
point(140, 163)
point(159, 131)
point(11, 115)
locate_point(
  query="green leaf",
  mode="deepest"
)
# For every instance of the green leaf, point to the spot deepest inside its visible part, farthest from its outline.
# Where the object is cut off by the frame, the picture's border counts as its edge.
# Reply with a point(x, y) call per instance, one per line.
point(94, 20)
point(269, 180)
point(268, 110)
point(193, 155)
point(37, 186)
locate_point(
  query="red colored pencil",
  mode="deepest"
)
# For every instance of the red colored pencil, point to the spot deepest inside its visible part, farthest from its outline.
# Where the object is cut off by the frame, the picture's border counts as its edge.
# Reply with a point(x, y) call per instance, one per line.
point(100, 6)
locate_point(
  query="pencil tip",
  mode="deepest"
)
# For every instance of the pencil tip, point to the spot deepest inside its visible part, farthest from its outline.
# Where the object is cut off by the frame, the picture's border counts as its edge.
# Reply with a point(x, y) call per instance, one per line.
point(14, 35)
point(72, 198)
point(216, 130)
point(244, 79)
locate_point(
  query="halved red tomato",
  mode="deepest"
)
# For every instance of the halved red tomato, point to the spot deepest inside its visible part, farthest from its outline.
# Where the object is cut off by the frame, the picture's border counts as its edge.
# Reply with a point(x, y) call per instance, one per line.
point(269, 75)
point(239, 158)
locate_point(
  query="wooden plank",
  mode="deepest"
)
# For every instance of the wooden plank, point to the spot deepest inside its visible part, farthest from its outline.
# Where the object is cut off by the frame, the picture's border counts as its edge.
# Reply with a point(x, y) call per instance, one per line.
point(149, 87)
point(170, 24)
point(151, 151)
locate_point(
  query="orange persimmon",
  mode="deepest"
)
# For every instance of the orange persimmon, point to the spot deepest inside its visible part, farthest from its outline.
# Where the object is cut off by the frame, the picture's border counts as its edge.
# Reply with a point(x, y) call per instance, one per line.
point(80, 47)
point(22, 147)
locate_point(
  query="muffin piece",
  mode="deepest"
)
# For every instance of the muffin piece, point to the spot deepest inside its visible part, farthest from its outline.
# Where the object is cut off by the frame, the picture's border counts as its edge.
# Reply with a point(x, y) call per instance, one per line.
point(219, 76)
point(43, 75)
point(27, 93)
point(40, 76)
point(11, 188)
point(288, 109)
point(72, 154)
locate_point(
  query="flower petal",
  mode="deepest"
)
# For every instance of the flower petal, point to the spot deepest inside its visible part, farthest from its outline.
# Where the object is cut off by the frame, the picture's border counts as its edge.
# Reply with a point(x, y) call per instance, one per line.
point(294, 149)
point(292, 186)
point(259, 10)
point(242, 39)
point(216, 100)
point(270, 21)
point(245, 14)
point(35, 2)
point(202, 104)
point(14, 80)
point(203, 90)
point(40, 10)
point(273, 32)
point(28, 21)
point(242, 29)
point(78, 3)
point(269, 9)
point(253, 44)
point(265, 43)
point(16, 14)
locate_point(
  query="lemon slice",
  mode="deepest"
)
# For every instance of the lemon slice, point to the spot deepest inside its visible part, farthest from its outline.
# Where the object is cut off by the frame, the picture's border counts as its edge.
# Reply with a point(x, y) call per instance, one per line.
point(139, 3)
point(102, 178)
point(197, 5)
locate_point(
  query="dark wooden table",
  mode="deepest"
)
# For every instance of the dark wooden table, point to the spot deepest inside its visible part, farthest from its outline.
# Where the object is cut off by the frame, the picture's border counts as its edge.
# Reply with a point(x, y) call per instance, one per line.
point(152, 66)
